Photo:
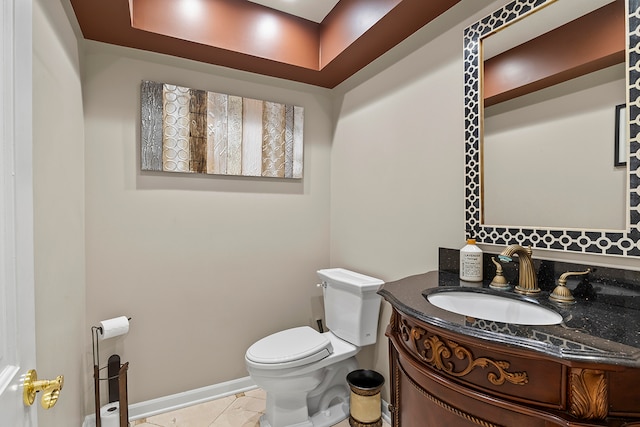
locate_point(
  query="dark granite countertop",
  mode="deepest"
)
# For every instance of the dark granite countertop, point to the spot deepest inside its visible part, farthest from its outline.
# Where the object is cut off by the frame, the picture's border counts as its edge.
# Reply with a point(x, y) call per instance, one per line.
point(599, 330)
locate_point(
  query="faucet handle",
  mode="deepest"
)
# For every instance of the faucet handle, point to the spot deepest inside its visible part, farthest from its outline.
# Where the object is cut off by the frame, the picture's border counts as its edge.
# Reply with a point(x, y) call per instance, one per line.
point(499, 281)
point(561, 293)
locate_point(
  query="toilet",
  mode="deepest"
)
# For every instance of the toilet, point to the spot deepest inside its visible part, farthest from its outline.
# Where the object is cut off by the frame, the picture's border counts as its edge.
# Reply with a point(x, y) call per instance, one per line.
point(303, 371)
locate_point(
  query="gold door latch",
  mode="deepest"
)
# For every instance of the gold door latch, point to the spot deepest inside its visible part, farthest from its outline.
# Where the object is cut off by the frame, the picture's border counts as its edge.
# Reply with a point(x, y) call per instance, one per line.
point(50, 388)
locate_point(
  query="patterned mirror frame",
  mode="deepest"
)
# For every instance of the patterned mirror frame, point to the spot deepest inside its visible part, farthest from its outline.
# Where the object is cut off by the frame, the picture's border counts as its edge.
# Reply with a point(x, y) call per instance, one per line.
point(616, 243)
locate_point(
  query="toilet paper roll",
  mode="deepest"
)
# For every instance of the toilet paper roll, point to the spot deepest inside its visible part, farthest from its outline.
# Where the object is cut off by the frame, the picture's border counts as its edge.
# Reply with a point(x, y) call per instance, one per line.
point(114, 327)
point(110, 415)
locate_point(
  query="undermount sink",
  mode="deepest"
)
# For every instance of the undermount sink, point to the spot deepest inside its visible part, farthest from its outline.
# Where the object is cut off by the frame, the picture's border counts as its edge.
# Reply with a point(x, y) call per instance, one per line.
point(494, 307)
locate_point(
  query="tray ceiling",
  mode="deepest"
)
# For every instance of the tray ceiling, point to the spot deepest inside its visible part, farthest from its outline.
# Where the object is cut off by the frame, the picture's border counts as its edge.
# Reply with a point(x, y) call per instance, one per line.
point(254, 36)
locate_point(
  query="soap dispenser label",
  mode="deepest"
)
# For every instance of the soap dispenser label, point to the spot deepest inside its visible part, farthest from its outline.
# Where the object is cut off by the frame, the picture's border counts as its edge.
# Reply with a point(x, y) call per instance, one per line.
point(471, 267)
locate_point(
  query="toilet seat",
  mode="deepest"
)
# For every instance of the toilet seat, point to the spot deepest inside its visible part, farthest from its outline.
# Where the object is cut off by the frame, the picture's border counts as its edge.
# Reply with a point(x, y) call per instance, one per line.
point(289, 348)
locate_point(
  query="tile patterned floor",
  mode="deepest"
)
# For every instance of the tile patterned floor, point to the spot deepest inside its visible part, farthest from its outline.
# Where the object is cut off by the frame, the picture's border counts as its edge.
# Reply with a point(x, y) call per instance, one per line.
point(240, 410)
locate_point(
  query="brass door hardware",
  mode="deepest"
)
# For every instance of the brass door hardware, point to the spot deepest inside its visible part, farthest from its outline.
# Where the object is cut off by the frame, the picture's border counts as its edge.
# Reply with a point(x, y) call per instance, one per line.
point(50, 388)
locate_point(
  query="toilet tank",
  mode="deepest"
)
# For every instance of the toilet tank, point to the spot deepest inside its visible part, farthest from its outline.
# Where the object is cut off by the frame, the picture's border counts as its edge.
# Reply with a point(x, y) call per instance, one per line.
point(351, 305)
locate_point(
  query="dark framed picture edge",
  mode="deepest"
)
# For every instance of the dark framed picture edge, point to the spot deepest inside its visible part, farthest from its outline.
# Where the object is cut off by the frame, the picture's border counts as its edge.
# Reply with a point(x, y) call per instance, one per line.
point(620, 152)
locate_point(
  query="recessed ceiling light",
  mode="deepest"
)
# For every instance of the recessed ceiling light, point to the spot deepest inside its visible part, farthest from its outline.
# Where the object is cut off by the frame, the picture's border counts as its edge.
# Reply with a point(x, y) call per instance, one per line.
point(191, 8)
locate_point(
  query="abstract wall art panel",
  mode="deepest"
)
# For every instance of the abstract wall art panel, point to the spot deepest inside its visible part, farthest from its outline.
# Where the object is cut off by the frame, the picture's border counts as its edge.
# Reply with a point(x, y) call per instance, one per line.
point(195, 131)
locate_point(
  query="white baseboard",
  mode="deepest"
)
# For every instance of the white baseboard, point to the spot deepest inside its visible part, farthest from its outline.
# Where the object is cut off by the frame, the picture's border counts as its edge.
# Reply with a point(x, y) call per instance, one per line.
point(193, 397)
point(182, 400)
point(189, 398)
point(386, 415)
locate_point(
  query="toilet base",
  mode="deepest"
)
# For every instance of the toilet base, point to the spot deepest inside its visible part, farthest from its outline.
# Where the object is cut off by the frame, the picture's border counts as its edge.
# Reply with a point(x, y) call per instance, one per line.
point(319, 398)
point(265, 423)
point(332, 416)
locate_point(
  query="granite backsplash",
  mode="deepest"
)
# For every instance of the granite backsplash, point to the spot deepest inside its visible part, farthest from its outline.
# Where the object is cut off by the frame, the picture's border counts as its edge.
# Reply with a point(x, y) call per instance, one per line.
point(611, 285)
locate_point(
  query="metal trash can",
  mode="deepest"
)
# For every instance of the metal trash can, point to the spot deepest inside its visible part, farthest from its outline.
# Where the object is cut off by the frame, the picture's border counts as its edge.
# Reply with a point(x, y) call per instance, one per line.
point(365, 405)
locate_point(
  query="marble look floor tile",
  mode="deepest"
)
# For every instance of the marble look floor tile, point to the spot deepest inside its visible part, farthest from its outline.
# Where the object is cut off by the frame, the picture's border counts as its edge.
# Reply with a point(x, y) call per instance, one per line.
point(240, 410)
point(201, 415)
point(248, 403)
point(237, 417)
point(258, 393)
point(141, 423)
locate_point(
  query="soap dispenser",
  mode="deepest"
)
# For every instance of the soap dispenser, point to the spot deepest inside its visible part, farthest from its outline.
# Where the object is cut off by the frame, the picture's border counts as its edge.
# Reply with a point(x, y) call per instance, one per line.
point(471, 262)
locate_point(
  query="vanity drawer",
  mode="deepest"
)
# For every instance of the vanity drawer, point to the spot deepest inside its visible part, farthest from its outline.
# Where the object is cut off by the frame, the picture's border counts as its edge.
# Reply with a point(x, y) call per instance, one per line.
point(426, 399)
point(503, 371)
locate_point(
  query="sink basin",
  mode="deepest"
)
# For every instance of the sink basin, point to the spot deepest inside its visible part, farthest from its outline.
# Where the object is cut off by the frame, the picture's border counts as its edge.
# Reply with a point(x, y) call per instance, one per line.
point(494, 307)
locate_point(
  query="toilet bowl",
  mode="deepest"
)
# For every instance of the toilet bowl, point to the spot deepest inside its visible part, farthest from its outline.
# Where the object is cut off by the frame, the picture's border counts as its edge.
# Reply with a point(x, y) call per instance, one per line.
point(303, 371)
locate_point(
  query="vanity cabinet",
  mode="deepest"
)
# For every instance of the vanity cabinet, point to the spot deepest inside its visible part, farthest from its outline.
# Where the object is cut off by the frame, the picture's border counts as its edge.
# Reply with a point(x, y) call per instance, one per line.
point(444, 372)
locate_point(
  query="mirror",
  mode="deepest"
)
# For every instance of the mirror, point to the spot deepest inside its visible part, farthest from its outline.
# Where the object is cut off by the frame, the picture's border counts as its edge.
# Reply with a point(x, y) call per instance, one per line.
point(561, 136)
point(509, 200)
point(553, 156)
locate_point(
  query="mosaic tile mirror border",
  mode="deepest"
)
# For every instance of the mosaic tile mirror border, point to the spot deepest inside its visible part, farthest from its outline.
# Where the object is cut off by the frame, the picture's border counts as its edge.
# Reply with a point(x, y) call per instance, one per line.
point(196, 131)
point(603, 242)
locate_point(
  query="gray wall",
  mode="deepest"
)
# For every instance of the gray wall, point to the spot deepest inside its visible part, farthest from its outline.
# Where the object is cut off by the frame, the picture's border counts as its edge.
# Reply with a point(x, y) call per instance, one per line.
point(59, 217)
point(397, 163)
point(204, 265)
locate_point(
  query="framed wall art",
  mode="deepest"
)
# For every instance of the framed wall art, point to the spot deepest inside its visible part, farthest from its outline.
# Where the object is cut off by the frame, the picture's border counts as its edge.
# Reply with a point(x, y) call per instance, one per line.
point(196, 131)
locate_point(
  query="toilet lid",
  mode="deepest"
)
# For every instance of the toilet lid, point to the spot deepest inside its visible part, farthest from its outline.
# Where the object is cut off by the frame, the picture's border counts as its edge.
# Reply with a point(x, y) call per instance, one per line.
point(293, 347)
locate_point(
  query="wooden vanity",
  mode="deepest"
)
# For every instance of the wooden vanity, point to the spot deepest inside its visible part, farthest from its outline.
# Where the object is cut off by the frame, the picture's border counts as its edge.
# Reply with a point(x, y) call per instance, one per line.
point(449, 370)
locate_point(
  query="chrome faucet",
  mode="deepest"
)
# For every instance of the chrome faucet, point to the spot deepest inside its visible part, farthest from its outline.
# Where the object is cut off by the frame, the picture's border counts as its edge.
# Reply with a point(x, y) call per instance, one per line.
point(527, 281)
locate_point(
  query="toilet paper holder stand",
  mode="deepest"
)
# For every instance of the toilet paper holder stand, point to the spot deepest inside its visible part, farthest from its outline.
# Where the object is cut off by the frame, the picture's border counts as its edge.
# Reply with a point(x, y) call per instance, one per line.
point(121, 377)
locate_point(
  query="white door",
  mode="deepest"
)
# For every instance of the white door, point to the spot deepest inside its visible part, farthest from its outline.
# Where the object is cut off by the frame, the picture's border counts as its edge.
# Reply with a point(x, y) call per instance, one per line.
point(17, 320)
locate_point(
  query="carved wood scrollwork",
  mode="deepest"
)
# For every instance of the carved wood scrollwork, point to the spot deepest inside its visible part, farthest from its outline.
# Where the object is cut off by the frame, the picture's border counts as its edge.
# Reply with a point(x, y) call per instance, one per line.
point(404, 330)
point(393, 322)
point(589, 395)
point(437, 352)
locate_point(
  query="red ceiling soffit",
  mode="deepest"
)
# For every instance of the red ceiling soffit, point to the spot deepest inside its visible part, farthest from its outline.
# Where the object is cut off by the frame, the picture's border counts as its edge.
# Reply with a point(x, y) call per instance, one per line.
point(590, 43)
point(246, 36)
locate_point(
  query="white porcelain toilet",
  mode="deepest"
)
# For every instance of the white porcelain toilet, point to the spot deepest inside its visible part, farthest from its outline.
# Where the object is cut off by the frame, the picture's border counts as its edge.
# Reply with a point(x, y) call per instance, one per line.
point(303, 371)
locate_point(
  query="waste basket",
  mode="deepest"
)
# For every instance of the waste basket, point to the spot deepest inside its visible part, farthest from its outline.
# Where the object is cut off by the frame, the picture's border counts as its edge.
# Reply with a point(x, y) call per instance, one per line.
point(365, 405)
